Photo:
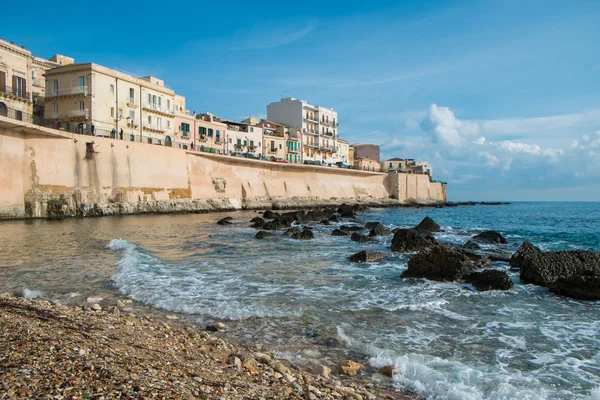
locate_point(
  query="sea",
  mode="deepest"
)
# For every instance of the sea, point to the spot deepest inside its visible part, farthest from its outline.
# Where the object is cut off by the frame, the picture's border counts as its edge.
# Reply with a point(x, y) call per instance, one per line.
point(307, 302)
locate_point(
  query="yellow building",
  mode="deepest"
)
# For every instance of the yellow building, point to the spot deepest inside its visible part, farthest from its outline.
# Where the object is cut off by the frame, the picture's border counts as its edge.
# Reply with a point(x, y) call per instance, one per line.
point(22, 83)
point(351, 155)
point(85, 97)
point(274, 140)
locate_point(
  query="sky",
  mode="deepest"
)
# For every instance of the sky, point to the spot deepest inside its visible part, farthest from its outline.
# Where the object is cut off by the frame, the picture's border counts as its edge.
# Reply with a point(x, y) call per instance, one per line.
point(501, 97)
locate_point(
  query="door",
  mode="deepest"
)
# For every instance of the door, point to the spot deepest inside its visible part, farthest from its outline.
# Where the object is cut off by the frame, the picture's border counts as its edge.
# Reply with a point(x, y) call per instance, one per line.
point(3, 82)
point(168, 141)
point(3, 110)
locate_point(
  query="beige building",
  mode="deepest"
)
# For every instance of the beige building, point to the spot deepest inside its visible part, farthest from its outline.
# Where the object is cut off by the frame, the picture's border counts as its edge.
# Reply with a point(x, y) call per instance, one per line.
point(407, 165)
point(185, 125)
point(244, 137)
point(343, 152)
point(210, 134)
point(367, 164)
point(82, 97)
point(294, 146)
point(351, 155)
point(274, 140)
point(22, 82)
point(370, 151)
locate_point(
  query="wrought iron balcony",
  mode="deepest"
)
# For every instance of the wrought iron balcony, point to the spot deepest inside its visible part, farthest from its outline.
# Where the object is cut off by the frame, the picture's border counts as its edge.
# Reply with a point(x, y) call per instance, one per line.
point(70, 91)
point(14, 92)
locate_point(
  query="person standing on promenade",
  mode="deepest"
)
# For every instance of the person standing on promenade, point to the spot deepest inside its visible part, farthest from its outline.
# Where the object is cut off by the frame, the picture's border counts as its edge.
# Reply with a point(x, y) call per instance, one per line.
point(113, 133)
point(93, 129)
point(121, 134)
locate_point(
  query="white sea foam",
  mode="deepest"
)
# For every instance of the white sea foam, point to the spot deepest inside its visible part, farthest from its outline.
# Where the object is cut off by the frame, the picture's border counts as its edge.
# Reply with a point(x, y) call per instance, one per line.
point(31, 294)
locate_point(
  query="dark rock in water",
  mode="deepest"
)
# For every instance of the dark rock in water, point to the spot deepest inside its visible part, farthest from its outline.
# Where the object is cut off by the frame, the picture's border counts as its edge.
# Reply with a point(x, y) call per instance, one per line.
point(496, 256)
point(318, 215)
point(269, 214)
point(412, 240)
point(545, 269)
point(357, 237)
point(304, 235)
point(292, 231)
point(331, 342)
point(351, 228)
point(367, 256)
point(346, 211)
point(224, 221)
point(266, 235)
point(471, 245)
point(439, 263)
point(228, 219)
point(371, 225)
point(428, 225)
point(380, 230)
point(274, 225)
point(334, 218)
point(581, 287)
point(480, 261)
point(212, 328)
point(524, 251)
point(491, 279)
point(490, 237)
point(325, 222)
point(337, 232)
point(257, 222)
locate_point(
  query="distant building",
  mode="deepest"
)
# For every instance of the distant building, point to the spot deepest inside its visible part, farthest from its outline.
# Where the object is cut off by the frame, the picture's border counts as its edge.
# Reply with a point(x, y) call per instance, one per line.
point(367, 164)
point(294, 146)
point(274, 140)
point(185, 125)
point(343, 152)
point(211, 134)
point(243, 137)
point(407, 165)
point(22, 82)
point(81, 95)
point(370, 151)
point(318, 125)
point(351, 155)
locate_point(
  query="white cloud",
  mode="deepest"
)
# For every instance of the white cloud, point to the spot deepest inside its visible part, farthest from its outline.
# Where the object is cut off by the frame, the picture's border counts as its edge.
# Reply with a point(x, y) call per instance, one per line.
point(274, 40)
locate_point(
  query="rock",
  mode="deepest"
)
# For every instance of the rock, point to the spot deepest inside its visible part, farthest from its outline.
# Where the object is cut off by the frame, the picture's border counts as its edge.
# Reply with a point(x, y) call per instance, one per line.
point(439, 263)
point(322, 370)
point(428, 225)
point(334, 218)
point(120, 304)
point(252, 369)
point(581, 287)
point(236, 362)
point(471, 245)
point(371, 225)
point(545, 269)
point(263, 358)
point(292, 231)
point(337, 232)
point(220, 326)
point(406, 240)
point(492, 237)
point(525, 250)
point(499, 256)
point(351, 228)
point(351, 368)
point(367, 255)
point(269, 214)
point(228, 219)
point(171, 317)
point(211, 328)
point(274, 225)
point(325, 222)
point(491, 279)
point(379, 230)
point(266, 235)
point(257, 222)
point(388, 370)
point(357, 237)
point(306, 234)
point(346, 211)
point(96, 299)
point(331, 342)
point(224, 221)
point(96, 307)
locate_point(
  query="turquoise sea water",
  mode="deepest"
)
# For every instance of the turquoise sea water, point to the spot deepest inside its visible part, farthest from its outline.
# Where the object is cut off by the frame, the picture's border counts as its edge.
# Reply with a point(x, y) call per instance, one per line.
point(445, 340)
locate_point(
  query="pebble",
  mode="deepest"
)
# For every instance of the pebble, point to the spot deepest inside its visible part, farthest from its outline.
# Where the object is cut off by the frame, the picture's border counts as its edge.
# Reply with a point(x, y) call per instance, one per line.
point(220, 326)
point(96, 307)
point(172, 317)
point(94, 299)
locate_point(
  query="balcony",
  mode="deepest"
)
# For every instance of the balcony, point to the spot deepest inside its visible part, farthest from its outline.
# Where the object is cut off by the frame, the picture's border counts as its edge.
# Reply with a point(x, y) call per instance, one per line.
point(14, 93)
point(155, 108)
point(132, 102)
point(68, 92)
point(309, 132)
point(151, 128)
point(326, 122)
point(312, 145)
point(78, 114)
point(39, 82)
point(328, 133)
point(311, 119)
point(272, 151)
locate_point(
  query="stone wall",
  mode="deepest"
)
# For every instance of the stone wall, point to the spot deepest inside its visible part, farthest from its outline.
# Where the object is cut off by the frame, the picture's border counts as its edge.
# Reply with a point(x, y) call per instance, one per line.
point(47, 173)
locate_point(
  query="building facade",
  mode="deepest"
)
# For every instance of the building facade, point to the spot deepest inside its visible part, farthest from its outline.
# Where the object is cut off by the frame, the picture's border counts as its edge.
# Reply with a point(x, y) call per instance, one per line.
point(406, 165)
point(85, 97)
point(370, 151)
point(367, 164)
point(210, 134)
point(294, 146)
point(343, 152)
point(22, 82)
point(274, 140)
point(318, 125)
point(185, 125)
point(243, 138)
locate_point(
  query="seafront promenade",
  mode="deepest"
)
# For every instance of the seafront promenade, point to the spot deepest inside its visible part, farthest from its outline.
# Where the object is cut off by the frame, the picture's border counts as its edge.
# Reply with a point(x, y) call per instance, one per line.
point(51, 173)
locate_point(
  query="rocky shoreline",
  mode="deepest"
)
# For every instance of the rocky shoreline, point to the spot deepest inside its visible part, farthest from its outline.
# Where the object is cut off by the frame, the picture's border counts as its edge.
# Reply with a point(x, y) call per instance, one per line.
point(55, 351)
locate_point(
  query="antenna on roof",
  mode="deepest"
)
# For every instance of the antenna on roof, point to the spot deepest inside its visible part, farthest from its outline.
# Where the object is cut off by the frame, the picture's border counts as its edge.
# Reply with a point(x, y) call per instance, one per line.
point(285, 94)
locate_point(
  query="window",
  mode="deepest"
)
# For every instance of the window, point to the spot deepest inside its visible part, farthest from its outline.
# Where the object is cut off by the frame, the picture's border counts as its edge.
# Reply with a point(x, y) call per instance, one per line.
point(19, 115)
point(229, 140)
point(280, 147)
point(33, 74)
point(120, 113)
point(112, 112)
point(81, 80)
point(81, 105)
point(158, 123)
point(202, 131)
point(131, 94)
point(210, 132)
point(251, 129)
point(149, 120)
point(252, 143)
point(168, 104)
point(391, 165)
point(54, 109)
point(149, 98)
point(131, 117)
point(112, 89)
point(239, 142)
point(218, 136)
point(159, 102)
point(149, 140)
point(168, 124)
point(245, 143)
point(185, 128)
point(55, 87)
point(20, 87)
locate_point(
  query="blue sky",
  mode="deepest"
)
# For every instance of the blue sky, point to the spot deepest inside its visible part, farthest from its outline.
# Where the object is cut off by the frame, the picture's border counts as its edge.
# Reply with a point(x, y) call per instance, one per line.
point(502, 97)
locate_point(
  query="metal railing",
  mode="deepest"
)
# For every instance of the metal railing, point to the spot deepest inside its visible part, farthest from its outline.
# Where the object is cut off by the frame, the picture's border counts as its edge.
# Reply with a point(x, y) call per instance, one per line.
point(39, 82)
point(20, 115)
point(131, 101)
point(14, 91)
point(79, 113)
point(311, 118)
point(68, 91)
point(304, 130)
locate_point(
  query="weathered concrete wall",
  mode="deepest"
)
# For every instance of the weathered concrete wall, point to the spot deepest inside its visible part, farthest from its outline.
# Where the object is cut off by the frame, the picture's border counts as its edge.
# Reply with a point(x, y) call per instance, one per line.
point(51, 173)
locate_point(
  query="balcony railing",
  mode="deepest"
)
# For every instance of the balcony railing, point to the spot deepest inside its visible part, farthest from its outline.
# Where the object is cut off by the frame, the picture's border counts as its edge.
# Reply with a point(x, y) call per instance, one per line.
point(326, 122)
point(272, 151)
point(13, 91)
point(72, 91)
point(132, 102)
point(39, 82)
point(78, 113)
point(313, 145)
point(310, 132)
point(153, 128)
point(21, 116)
point(311, 118)
point(156, 107)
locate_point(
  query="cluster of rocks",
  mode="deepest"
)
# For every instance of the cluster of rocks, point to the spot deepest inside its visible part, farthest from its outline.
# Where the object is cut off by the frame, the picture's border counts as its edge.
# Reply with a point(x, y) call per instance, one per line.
point(54, 351)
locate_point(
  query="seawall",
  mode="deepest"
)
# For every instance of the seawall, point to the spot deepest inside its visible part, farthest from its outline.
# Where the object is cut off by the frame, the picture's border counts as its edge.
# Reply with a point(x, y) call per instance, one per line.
point(49, 173)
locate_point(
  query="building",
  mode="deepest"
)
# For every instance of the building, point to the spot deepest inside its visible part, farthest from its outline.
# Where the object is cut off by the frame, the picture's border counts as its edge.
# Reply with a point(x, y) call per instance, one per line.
point(243, 137)
point(407, 165)
point(343, 152)
point(367, 164)
point(210, 134)
point(22, 82)
point(294, 146)
point(115, 104)
point(370, 151)
point(318, 125)
point(185, 125)
point(275, 137)
point(351, 155)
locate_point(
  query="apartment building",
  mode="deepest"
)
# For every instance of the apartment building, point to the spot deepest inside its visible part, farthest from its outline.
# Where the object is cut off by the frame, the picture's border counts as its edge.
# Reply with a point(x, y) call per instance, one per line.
point(343, 152)
point(244, 137)
point(318, 125)
point(408, 165)
point(211, 134)
point(185, 125)
point(351, 155)
point(274, 140)
point(294, 146)
point(85, 97)
point(22, 82)
point(367, 164)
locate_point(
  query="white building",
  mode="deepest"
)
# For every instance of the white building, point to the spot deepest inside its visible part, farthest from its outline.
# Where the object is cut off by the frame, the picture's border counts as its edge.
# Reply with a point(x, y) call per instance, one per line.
point(319, 127)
